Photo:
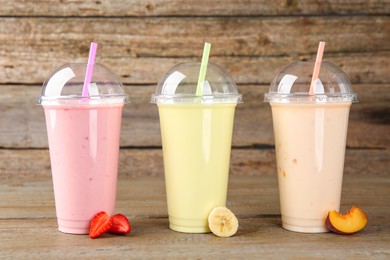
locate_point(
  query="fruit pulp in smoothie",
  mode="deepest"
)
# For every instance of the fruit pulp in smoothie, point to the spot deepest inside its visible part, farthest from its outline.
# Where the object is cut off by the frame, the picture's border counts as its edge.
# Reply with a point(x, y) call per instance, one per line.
point(310, 146)
point(84, 149)
point(196, 142)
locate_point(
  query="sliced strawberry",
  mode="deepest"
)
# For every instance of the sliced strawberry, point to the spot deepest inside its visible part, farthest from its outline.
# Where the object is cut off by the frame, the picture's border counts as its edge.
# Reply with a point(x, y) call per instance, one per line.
point(121, 225)
point(100, 224)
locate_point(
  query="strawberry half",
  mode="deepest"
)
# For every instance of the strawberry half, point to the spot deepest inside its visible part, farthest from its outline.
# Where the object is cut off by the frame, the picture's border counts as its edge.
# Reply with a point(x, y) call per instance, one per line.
point(100, 224)
point(120, 225)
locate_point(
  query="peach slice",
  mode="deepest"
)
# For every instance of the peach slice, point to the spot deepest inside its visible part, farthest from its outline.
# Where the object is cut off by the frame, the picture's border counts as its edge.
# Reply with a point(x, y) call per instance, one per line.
point(351, 222)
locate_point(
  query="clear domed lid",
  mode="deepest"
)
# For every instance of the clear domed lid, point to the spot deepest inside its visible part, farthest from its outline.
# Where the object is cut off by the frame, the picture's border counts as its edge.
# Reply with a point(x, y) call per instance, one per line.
point(179, 85)
point(65, 86)
point(292, 84)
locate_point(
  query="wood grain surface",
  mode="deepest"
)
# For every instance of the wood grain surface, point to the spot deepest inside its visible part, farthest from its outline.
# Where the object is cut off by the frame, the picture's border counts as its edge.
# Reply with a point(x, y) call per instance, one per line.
point(141, 40)
point(190, 8)
point(34, 164)
point(22, 124)
point(140, 51)
point(28, 227)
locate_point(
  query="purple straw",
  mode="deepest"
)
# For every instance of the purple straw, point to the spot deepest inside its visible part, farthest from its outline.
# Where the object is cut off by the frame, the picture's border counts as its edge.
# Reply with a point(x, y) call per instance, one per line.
point(89, 71)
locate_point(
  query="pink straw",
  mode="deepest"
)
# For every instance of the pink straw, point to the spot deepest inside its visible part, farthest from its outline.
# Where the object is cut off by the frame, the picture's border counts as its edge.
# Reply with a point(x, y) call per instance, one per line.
point(89, 71)
point(317, 66)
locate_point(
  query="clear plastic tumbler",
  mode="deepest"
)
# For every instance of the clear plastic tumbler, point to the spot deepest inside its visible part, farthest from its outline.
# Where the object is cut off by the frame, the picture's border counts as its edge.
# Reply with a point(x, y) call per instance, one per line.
point(83, 134)
point(196, 137)
point(310, 133)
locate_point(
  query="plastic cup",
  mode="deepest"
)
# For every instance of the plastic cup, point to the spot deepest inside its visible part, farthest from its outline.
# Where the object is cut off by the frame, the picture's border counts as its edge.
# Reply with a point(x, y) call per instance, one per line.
point(83, 134)
point(196, 138)
point(310, 137)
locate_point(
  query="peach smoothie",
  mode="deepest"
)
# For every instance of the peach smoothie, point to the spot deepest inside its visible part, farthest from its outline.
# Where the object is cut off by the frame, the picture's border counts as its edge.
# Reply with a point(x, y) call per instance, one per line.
point(196, 142)
point(310, 141)
point(310, 104)
point(84, 149)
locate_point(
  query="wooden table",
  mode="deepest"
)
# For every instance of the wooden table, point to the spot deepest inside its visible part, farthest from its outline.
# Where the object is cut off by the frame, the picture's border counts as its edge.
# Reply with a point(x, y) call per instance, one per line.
point(28, 227)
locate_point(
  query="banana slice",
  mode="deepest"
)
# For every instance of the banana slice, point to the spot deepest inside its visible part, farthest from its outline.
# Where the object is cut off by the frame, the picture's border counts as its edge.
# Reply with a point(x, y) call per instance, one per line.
point(222, 222)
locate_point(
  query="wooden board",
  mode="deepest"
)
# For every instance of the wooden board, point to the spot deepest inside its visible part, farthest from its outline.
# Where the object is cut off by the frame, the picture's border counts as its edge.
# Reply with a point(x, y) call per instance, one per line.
point(190, 8)
point(22, 123)
point(141, 51)
point(28, 228)
point(27, 164)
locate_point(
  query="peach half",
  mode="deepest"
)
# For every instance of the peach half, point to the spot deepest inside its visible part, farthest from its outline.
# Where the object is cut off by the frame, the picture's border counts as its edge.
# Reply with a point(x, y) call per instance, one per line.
point(349, 223)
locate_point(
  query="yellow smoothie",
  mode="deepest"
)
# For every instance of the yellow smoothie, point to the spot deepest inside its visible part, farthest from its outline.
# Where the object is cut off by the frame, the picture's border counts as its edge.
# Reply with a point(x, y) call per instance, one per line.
point(310, 146)
point(196, 141)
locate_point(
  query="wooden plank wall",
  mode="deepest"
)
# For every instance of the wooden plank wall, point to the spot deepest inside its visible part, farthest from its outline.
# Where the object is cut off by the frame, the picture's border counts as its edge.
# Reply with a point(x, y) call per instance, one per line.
point(141, 39)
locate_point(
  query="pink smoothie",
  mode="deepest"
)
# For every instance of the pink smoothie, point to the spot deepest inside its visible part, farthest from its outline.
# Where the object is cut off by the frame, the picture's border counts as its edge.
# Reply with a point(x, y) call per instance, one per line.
point(84, 149)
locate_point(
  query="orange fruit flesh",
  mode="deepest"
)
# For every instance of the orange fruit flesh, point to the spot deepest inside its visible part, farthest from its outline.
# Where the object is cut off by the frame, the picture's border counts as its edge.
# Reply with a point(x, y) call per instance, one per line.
point(351, 222)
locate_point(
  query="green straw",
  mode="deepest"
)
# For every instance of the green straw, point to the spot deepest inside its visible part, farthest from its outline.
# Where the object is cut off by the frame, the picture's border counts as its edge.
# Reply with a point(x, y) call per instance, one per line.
point(203, 68)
